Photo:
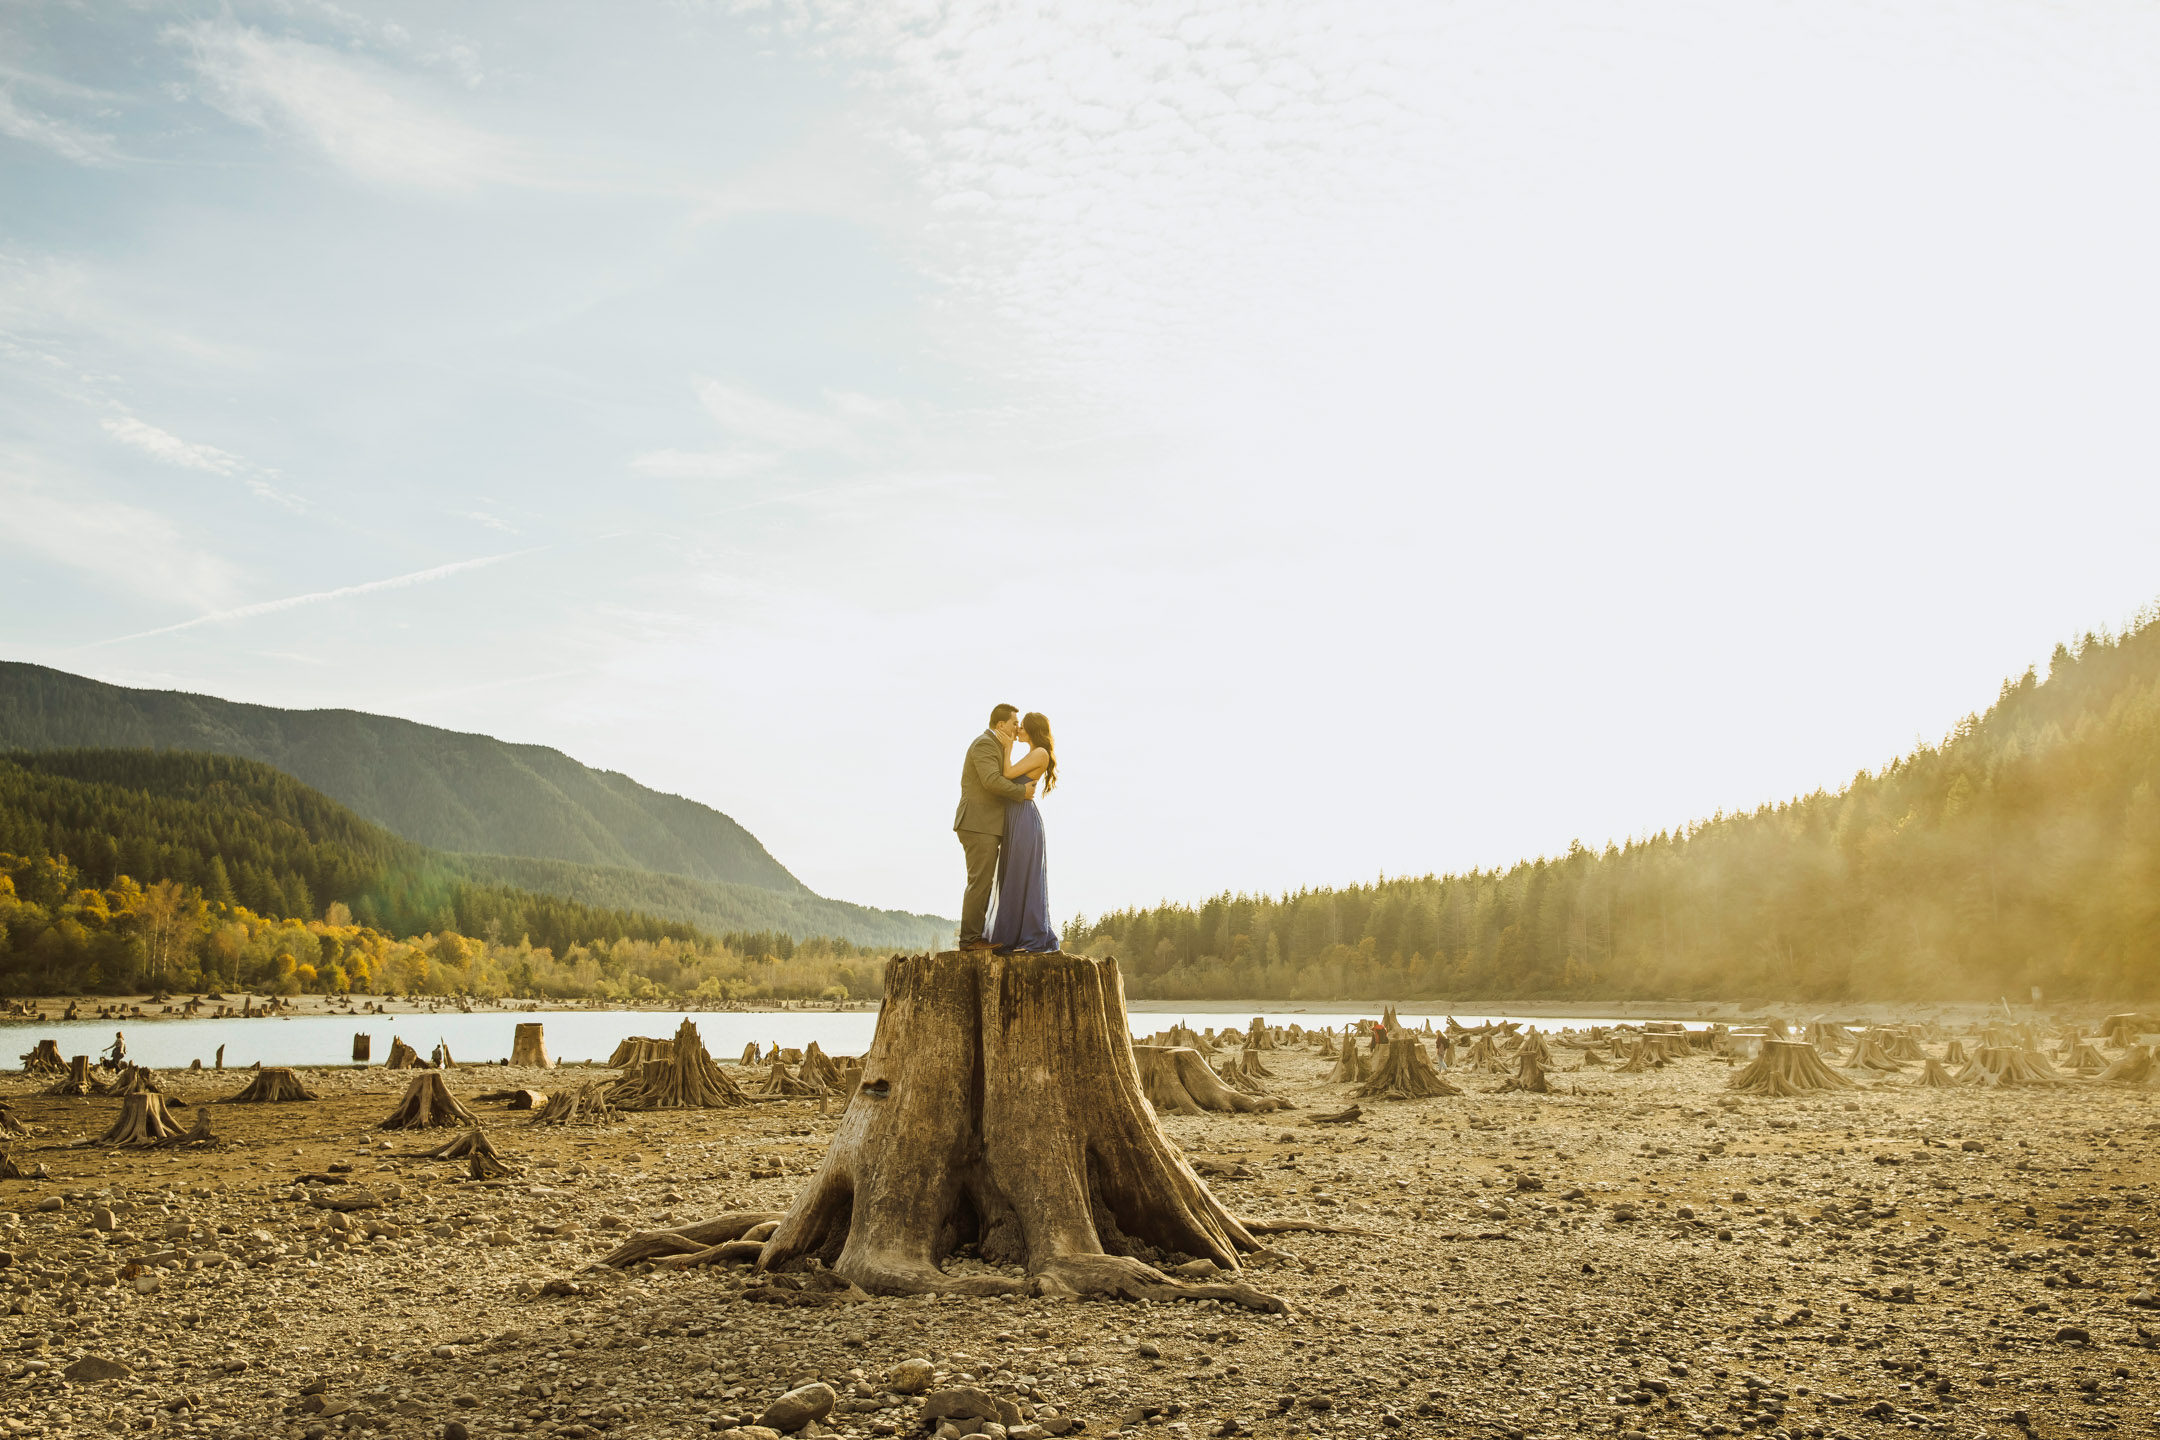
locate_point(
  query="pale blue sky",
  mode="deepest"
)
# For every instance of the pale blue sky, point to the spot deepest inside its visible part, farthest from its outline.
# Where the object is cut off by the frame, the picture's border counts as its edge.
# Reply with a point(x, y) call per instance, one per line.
point(1383, 438)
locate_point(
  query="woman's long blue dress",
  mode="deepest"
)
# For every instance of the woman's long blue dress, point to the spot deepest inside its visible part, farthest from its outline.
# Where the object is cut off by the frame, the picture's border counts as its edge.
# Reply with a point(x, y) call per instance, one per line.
point(1021, 920)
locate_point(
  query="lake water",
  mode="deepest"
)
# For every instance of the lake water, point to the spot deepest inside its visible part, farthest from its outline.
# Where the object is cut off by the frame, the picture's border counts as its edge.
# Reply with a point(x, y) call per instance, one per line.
point(572, 1035)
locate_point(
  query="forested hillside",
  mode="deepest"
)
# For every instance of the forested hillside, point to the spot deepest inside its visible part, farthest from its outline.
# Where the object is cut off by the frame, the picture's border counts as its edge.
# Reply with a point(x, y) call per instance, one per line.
point(131, 868)
point(438, 788)
point(2023, 851)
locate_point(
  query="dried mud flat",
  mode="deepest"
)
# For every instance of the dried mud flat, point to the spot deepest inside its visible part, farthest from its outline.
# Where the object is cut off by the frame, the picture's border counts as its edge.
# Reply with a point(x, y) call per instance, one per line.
point(1649, 1254)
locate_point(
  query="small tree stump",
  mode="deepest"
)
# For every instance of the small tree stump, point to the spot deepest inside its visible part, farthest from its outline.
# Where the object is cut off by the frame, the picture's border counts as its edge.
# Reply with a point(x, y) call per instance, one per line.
point(587, 1105)
point(750, 1057)
point(1999, 1065)
point(779, 1084)
point(272, 1085)
point(1868, 1054)
point(1933, 1076)
point(11, 1123)
point(44, 1059)
point(428, 1105)
point(1529, 1075)
point(403, 1057)
point(1174, 1078)
point(1351, 1066)
point(1954, 1053)
point(528, 1047)
point(144, 1120)
point(76, 1082)
point(1001, 1104)
point(1402, 1071)
point(198, 1134)
point(1249, 1066)
point(2135, 1068)
point(1788, 1067)
point(632, 1052)
point(686, 1079)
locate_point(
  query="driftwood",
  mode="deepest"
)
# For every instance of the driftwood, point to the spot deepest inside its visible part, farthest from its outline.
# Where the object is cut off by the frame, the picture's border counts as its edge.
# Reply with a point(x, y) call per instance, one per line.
point(720, 1239)
point(586, 1105)
point(1788, 1067)
point(1341, 1117)
point(143, 1120)
point(1403, 1071)
point(1001, 1104)
point(272, 1085)
point(687, 1079)
point(44, 1059)
point(1176, 1079)
point(428, 1105)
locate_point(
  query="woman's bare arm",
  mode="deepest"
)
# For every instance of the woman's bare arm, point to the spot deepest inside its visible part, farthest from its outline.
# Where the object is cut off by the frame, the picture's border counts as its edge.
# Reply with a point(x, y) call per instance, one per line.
point(1028, 766)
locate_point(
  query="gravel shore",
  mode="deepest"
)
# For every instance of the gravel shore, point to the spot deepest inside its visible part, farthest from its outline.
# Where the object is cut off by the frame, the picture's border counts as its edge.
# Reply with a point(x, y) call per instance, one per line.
point(1647, 1254)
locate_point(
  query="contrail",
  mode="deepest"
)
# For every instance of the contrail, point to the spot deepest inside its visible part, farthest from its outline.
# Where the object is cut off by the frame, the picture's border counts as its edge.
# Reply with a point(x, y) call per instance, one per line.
point(317, 597)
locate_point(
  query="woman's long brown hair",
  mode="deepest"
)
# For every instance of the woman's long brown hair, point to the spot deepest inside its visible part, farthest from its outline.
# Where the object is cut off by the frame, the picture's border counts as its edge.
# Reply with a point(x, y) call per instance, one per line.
point(1037, 726)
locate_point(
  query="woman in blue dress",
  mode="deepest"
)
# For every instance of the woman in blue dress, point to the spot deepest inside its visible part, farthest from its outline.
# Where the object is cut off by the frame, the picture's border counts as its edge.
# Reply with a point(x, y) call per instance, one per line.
point(1021, 921)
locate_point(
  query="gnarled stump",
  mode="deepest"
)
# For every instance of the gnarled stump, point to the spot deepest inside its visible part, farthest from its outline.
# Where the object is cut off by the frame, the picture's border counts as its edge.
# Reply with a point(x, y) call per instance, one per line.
point(1402, 1071)
point(272, 1085)
point(1485, 1056)
point(1249, 1066)
point(2085, 1059)
point(1868, 1054)
point(780, 1085)
point(474, 1146)
point(1997, 1065)
point(44, 1059)
point(587, 1105)
point(1175, 1078)
point(1529, 1075)
point(1788, 1067)
point(1001, 1104)
point(749, 1059)
point(632, 1052)
point(528, 1046)
point(144, 1120)
point(403, 1057)
point(686, 1079)
point(1954, 1053)
point(2136, 1067)
point(428, 1105)
point(738, 1236)
point(1934, 1077)
point(197, 1134)
point(1351, 1066)
point(76, 1082)
point(817, 1068)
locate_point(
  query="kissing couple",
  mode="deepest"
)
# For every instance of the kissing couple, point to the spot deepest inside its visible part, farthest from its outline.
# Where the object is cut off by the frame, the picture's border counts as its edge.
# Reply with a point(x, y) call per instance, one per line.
point(1001, 833)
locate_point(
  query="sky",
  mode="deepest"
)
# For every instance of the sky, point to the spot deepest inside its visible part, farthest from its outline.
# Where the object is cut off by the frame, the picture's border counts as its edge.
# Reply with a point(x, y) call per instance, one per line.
point(1383, 438)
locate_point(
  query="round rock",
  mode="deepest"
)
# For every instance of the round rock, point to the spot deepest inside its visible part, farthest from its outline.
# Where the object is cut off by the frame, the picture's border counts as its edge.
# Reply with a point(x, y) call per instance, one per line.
point(798, 1408)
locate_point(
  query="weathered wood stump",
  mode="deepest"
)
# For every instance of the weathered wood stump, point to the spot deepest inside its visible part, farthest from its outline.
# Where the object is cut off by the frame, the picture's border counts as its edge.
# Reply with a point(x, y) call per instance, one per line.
point(198, 1134)
point(428, 1105)
point(1529, 1075)
point(44, 1059)
point(1954, 1053)
point(1403, 1071)
point(1001, 1105)
point(11, 1123)
point(272, 1085)
point(2135, 1067)
point(403, 1057)
point(632, 1052)
point(1999, 1065)
point(528, 1046)
point(1176, 1079)
point(780, 1084)
point(750, 1057)
point(818, 1069)
point(687, 1078)
point(76, 1082)
point(1351, 1066)
point(586, 1105)
point(1934, 1076)
point(144, 1120)
point(475, 1147)
point(1788, 1067)
point(1868, 1054)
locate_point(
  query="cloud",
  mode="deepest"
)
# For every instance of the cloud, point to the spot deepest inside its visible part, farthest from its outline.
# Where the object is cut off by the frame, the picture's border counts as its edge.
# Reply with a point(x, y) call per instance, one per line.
point(703, 464)
point(321, 597)
point(122, 545)
point(170, 448)
point(81, 146)
point(769, 423)
point(852, 427)
point(345, 108)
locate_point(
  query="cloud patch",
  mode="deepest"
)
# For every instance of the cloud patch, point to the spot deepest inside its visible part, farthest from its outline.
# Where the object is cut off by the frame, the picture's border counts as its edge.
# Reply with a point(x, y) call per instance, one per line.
point(191, 455)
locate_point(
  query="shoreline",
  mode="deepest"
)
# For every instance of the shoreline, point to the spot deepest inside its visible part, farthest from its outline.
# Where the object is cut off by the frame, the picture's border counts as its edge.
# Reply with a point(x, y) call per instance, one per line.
point(141, 1010)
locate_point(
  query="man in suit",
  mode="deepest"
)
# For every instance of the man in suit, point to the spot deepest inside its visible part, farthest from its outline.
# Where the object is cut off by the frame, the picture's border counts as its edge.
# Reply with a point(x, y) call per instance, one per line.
point(980, 822)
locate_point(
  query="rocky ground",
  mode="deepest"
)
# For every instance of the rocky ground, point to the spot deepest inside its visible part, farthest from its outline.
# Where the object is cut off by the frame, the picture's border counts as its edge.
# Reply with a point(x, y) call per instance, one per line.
point(1646, 1254)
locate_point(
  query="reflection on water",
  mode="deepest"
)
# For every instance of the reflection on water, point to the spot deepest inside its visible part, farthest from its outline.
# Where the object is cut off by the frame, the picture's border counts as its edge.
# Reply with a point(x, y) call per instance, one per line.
point(571, 1034)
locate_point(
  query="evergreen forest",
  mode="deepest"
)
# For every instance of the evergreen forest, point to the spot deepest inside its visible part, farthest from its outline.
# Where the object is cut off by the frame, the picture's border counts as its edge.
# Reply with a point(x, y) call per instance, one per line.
point(2023, 851)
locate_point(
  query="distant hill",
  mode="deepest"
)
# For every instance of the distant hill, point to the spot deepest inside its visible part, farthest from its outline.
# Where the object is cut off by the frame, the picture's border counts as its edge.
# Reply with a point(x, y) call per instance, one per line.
point(526, 815)
point(438, 788)
point(2023, 851)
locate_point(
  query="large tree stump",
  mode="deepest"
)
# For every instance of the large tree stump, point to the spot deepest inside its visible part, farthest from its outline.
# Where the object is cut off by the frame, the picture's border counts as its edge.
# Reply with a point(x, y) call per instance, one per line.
point(1998, 1065)
point(1788, 1067)
point(272, 1085)
point(528, 1046)
point(44, 1059)
point(144, 1120)
point(1176, 1079)
point(1001, 1105)
point(1403, 1071)
point(1351, 1066)
point(633, 1051)
point(687, 1078)
point(76, 1082)
point(817, 1068)
point(428, 1105)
